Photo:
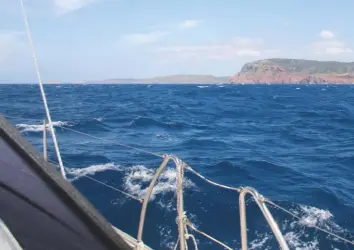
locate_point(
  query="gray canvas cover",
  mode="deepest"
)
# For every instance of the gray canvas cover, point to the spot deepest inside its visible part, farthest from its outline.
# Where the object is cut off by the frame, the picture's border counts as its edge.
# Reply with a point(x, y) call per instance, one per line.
point(41, 209)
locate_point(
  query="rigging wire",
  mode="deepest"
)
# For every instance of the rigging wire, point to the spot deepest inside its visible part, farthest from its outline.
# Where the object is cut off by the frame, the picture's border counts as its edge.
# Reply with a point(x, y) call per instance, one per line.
point(108, 186)
point(191, 226)
point(95, 137)
point(115, 189)
point(115, 142)
point(25, 19)
point(211, 182)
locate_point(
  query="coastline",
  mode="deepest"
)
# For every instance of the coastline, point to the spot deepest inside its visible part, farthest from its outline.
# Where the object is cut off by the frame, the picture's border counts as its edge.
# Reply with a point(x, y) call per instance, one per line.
point(192, 84)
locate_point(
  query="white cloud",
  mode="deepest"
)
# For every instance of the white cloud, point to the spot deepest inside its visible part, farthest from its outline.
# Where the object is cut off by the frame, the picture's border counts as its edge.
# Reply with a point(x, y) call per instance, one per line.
point(329, 46)
point(326, 34)
point(239, 47)
point(65, 6)
point(154, 36)
point(141, 38)
point(188, 24)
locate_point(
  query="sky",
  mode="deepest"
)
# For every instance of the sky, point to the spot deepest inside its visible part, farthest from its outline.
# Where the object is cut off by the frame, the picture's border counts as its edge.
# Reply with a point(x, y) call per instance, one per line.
point(103, 39)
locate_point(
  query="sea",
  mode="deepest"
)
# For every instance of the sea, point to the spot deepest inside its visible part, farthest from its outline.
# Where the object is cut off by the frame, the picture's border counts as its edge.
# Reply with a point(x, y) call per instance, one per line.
point(293, 143)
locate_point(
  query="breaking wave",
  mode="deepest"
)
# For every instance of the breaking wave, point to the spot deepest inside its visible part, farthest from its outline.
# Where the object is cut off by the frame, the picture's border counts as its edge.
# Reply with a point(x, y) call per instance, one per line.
point(296, 234)
point(135, 178)
point(99, 119)
point(38, 128)
point(91, 170)
point(138, 177)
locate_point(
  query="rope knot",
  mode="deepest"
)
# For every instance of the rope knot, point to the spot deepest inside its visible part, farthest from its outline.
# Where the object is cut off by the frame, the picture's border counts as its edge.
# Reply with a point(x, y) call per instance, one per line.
point(261, 198)
point(183, 219)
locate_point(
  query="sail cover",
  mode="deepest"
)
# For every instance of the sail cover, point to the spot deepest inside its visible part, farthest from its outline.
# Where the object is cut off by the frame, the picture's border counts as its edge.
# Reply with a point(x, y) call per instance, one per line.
point(41, 209)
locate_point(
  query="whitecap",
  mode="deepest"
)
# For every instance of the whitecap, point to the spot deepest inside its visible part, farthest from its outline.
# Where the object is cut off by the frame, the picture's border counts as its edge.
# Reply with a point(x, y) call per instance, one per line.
point(294, 241)
point(296, 231)
point(260, 241)
point(91, 170)
point(312, 216)
point(309, 217)
point(99, 119)
point(136, 178)
point(38, 128)
point(165, 136)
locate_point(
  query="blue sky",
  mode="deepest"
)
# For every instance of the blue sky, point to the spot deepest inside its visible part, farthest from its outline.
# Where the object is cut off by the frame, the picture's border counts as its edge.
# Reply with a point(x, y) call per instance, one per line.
point(99, 39)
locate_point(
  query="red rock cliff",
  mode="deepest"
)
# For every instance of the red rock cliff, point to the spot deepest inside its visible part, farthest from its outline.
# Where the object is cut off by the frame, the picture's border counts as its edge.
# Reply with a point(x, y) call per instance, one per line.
point(278, 71)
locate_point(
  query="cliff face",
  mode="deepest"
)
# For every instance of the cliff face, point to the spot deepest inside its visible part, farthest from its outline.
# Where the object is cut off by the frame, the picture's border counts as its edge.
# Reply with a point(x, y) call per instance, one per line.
point(295, 71)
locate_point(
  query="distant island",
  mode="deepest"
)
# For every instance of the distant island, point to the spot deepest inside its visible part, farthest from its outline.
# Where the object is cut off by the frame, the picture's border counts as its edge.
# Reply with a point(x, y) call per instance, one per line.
point(268, 71)
point(185, 79)
point(277, 71)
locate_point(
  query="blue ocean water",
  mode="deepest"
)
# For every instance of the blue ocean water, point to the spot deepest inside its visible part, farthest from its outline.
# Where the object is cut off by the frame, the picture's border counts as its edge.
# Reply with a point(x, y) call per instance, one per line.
point(294, 144)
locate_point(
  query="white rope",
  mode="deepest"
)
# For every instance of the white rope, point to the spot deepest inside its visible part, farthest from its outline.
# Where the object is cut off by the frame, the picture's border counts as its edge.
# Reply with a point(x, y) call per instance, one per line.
point(211, 182)
point(176, 245)
point(188, 236)
point(42, 90)
point(318, 228)
point(189, 224)
point(180, 208)
point(194, 241)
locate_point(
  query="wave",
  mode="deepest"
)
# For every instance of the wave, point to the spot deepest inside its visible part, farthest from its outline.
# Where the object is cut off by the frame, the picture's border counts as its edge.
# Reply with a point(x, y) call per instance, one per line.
point(296, 234)
point(135, 178)
point(260, 241)
point(91, 170)
point(202, 86)
point(88, 124)
point(204, 143)
point(146, 122)
point(38, 128)
point(298, 237)
point(163, 136)
point(99, 119)
point(312, 216)
point(92, 124)
point(138, 178)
